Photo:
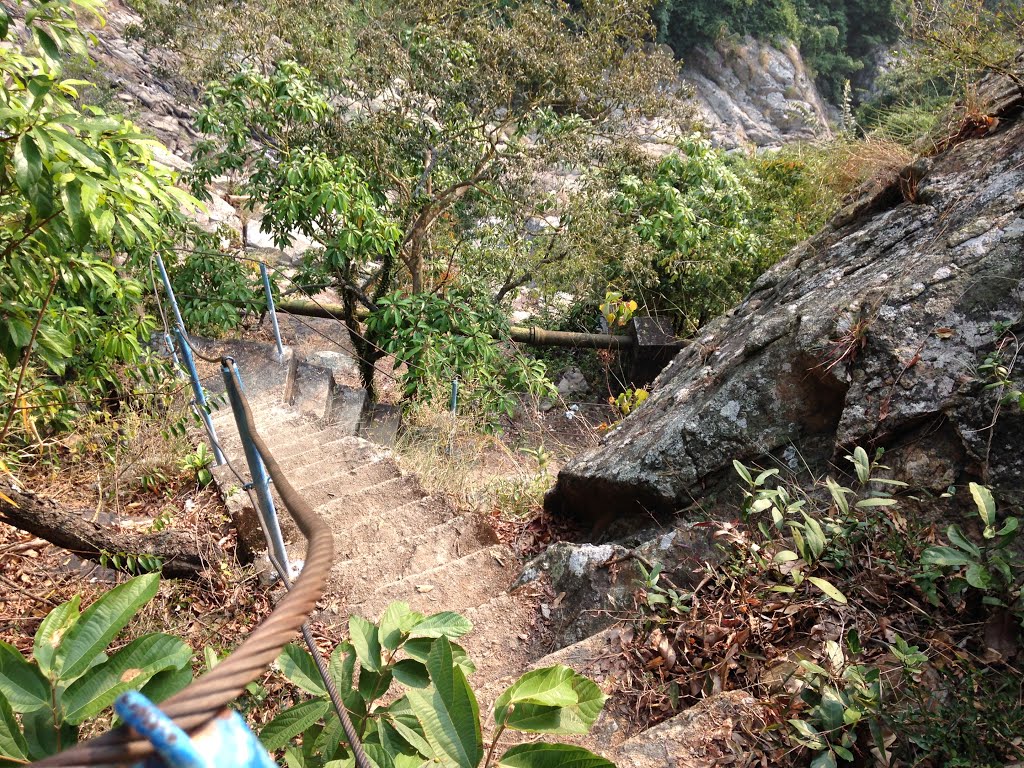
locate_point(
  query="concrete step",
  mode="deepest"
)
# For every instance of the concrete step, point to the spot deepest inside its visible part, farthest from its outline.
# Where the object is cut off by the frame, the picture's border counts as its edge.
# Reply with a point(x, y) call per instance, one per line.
point(496, 644)
point(327, 482)
point(433, 547)
point(345, 450)
point(357, 534)
point(386, 500)
point(456, 586)
point(300, 441)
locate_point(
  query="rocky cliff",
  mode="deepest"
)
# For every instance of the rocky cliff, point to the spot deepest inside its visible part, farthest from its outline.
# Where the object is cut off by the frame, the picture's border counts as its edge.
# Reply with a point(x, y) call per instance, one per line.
point(753, 92)
point(873, 333)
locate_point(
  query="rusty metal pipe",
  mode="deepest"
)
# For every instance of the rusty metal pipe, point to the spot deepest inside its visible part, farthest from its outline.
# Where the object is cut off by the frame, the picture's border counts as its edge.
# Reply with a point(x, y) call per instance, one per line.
point(523, 334)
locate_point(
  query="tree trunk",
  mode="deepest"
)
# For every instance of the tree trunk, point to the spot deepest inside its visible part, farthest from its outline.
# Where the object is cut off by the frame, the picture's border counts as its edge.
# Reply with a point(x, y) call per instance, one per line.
point(72, 530)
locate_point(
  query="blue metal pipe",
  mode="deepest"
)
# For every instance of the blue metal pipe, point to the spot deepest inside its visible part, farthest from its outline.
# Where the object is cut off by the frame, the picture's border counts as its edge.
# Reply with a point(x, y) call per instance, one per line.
point(258, 472)
point(199, 401)
point(272, 311)
point(199, 396)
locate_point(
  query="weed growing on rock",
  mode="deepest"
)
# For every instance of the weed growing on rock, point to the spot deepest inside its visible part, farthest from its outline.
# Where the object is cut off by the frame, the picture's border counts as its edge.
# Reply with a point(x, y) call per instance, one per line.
point(859, 628)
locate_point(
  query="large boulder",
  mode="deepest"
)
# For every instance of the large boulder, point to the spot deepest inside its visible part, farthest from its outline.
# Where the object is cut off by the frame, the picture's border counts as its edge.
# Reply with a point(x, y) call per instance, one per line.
point(875, 333)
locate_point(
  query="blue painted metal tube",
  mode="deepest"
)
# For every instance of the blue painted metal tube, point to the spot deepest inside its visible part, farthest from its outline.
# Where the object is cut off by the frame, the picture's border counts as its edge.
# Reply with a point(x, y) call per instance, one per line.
point(199, 396)
point(260, 479)
point(455, 394)
point(224, 742)
point(170, 293)
point(199, 401)
point(272, 311)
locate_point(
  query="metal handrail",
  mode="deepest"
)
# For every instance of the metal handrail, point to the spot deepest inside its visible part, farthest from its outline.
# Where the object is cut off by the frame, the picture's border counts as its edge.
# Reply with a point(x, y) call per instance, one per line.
point(194, 707)
point(199, 403)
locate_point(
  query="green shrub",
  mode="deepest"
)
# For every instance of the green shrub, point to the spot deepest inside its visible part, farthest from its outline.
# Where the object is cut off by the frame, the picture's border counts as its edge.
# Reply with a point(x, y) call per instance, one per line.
point(436, 717)
point(71, 679)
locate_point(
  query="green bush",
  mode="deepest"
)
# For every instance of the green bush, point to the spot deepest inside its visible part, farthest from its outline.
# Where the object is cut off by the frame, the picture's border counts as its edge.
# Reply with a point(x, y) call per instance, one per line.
point(436, 717)
point(71, 679)
point(77, 189)
point(439, 337)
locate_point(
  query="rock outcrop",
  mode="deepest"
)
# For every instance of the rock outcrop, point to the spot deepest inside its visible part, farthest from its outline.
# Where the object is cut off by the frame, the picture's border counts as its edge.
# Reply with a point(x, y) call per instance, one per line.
point(874, 333)
point(751, 92)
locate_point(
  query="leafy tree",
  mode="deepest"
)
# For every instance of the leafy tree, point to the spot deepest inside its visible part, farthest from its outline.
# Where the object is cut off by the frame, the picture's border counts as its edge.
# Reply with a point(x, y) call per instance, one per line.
point(78, 189)
point(441, 119)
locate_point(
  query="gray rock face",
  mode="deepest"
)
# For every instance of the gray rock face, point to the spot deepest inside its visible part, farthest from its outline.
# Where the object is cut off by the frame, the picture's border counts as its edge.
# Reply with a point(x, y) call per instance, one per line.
point(749, 92)
point(871, 333)
point(597, 583)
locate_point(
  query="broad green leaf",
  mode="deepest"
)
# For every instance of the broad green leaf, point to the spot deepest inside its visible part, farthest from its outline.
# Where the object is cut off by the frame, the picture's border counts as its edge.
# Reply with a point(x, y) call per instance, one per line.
point(743, 472)
point(342, 666)
point(128, 669)
point(824, 760)
point(165, 684)
point(448, 711)
point(373, 685)
point(985, 503)
point(978, 576)
point(393, 624)
point(446, 623)
point(298, 666)
point(5, 23)
point(404, 721)
point(547, 687)
point(575, 717)
point(21, 683)
point(785, 556)
point(1011, 525)
point(100, 623)
point(419, 649)
point(12, 741)
point(944, 556)
point(293, 721)
point(43, 737)
point(829, 590)
point(551, 756)
point(411, 673)
point(28, 165)
point(363, 636)
point(956, 536)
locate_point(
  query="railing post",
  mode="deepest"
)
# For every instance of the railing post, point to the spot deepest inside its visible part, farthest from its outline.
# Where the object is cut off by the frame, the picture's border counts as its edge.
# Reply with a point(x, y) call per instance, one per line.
point(199, 400)
point(199, 396)
point(260, 480)
point(272, 311)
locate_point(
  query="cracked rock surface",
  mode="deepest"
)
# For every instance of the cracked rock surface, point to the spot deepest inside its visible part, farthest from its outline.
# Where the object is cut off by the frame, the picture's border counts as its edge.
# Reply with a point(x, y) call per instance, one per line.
point(872, 333)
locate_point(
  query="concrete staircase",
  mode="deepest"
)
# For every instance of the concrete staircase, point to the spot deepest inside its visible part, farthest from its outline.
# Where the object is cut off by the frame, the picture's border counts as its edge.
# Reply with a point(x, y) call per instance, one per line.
point(394, 541)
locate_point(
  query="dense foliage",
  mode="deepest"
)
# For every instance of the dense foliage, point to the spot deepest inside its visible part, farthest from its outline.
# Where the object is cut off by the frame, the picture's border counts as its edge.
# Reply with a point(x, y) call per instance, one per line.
point(836, 38)
point(78, 190)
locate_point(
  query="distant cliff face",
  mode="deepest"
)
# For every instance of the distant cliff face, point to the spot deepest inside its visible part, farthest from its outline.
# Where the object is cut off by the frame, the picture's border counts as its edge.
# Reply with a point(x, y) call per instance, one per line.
point(873, 333)
point(749, 92)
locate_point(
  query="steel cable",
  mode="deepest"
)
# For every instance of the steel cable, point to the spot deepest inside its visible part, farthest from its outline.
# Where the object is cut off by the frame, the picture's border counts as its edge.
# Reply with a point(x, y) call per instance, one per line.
point(206, 697)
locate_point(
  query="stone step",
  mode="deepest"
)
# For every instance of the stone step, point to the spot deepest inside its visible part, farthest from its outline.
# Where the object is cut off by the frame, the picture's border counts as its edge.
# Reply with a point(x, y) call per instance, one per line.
point(385, 500)
point(456, 586)
point(328, 480)
point(433, 547)
point(358, 534)
point(343, 449)
point(496, 644)
point(310, 436)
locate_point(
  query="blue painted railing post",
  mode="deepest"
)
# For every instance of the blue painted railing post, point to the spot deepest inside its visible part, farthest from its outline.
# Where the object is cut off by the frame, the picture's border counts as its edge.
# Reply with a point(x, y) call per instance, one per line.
point(258, 472)
point(199, 400)
point(272, 311)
